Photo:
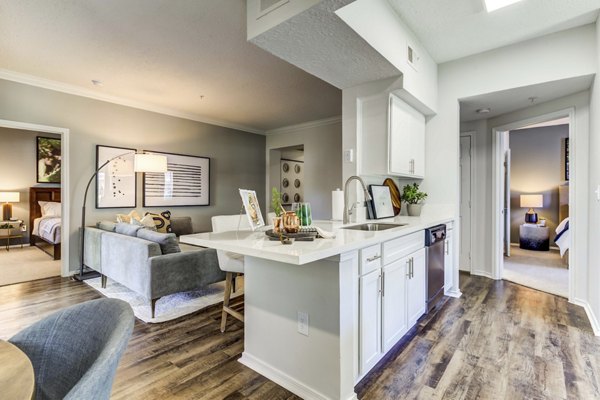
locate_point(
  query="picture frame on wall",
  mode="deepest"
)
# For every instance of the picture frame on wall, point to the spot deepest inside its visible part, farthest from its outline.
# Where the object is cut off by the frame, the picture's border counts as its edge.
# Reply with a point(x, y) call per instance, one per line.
point(186, 182)
point(116, 183)
point(48, 157)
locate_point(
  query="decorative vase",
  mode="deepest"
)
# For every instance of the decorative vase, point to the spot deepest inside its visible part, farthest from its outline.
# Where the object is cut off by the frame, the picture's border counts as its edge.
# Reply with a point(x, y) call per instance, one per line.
point(414, 210)
point(291, 222)
point(277, 224)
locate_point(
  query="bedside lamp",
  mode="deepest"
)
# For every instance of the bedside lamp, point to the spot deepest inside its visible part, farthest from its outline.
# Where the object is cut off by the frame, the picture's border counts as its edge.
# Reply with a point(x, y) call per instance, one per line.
point(7, 198)
point(531, 201)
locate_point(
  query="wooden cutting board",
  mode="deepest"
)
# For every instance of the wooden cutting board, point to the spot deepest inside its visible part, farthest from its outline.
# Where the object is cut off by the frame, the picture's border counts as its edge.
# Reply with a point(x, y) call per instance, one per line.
point(395, 194)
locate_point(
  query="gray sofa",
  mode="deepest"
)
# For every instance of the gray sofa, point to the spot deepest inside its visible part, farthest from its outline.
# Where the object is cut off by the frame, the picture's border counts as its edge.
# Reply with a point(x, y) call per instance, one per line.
point(141, 266)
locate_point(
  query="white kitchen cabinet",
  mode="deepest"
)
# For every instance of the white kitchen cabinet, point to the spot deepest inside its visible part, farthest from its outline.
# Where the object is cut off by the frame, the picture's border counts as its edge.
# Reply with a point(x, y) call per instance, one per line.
point(370, 320)
point(406, 140)
point(416, 287)
point(448, 260)
point(391, 138)
point(395, 323)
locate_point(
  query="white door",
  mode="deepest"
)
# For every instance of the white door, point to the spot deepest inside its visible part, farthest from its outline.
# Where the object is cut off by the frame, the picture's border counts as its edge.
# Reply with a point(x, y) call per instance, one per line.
point(507, 204)
point(394, 303)
point(370, 320)
point(416, 287)
point(465, 204)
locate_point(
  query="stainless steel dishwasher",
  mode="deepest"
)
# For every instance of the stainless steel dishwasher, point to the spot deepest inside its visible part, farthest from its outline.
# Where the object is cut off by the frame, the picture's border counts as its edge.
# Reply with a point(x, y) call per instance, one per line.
point(434, 241)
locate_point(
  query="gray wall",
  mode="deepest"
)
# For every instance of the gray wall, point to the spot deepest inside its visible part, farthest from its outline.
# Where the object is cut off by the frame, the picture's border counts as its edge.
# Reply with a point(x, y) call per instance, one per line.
point(18, 169)
point(537, 167)
point(237, 158)
point(322, 163)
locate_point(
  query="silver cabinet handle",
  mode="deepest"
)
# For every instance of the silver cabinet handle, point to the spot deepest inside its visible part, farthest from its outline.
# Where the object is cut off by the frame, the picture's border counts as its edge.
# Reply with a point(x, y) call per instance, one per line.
point(447, 246)
point(376, 257)
point(383, 284)
point(408, 268)
point(379, 283)
point(412, 268)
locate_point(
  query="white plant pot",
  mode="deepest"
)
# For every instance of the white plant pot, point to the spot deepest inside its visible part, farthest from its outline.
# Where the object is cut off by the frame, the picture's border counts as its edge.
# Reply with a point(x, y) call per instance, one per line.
point(414, 210)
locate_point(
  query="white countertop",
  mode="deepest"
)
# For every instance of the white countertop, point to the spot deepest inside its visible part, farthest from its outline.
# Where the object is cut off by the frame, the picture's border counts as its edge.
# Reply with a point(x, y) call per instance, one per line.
point(257, 244)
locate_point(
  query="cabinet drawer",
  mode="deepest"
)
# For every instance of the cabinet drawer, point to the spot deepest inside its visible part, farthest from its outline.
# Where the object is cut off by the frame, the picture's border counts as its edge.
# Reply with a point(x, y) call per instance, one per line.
point(397, 248)
point(370, 259)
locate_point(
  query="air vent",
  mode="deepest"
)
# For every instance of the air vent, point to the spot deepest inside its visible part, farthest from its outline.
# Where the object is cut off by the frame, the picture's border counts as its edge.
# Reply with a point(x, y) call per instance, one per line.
point(412, 57)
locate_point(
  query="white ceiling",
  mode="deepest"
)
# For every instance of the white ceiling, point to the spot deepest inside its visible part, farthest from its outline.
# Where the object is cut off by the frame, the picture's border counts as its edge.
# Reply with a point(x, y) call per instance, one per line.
point(451, 29)
point(164, 54)
point(518, 98)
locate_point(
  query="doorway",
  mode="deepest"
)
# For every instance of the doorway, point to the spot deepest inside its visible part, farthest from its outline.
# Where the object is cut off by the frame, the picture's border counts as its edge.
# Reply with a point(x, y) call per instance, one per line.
point(466, 200)
point(30, 253)
point(534, 189)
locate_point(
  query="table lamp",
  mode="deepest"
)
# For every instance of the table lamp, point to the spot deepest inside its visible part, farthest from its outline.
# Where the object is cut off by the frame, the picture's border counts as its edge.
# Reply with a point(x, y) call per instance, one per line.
point(532, 201)
point(7, 198)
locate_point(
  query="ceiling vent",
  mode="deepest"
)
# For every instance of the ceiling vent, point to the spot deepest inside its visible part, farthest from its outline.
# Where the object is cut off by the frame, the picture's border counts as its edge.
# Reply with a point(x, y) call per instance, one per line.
point(412, 57)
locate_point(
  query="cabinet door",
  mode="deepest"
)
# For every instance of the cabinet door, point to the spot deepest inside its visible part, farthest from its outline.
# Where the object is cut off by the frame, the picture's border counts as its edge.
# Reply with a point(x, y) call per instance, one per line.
point(369, 320)
point(406, 139)
point(448, 262)
point(394, 302)
point(416, 287)
point(399, 138)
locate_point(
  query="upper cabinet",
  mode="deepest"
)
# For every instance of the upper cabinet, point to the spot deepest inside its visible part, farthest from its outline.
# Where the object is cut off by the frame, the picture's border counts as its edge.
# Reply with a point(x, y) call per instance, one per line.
point(391, 138)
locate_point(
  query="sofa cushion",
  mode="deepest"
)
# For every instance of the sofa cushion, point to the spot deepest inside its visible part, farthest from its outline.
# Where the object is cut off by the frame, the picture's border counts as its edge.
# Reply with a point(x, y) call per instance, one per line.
point(146, 222)
point(162, 221)
point(109, 226)
point(167, 241)
point(126, 218)
point(127, 229)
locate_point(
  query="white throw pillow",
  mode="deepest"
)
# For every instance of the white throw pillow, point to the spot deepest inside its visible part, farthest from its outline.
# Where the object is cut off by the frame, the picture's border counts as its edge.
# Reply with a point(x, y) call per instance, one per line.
point(147, 222)
point(50, 208)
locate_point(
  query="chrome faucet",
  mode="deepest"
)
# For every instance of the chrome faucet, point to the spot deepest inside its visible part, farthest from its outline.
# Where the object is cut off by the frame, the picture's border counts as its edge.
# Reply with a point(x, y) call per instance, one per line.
point(367, 196)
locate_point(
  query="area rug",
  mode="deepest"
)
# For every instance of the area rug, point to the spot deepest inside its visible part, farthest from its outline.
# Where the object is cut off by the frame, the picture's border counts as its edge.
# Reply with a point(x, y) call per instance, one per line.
point(168, 307)
point(538, 270)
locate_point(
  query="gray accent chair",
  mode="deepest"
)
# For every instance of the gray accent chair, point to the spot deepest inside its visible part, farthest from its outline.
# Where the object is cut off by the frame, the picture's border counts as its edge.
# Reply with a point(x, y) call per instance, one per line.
point(75, 351)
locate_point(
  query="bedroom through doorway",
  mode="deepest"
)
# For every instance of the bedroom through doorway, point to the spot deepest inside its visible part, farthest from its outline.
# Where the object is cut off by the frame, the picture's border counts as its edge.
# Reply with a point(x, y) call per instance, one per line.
point(30, 192)
point(536, 206)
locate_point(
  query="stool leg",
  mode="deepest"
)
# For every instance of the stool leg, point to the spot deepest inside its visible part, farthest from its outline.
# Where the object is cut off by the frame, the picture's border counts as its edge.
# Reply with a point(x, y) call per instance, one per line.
point(226, 298)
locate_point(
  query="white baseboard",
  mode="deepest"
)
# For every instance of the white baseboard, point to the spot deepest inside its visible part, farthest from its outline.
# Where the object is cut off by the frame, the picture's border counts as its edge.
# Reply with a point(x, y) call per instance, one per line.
point(453, 293)
point(486, 274)
point(283, 379)
point(590, 314)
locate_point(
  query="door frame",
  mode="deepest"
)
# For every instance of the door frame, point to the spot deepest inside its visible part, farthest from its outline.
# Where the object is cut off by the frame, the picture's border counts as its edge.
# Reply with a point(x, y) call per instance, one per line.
point(472, 135)
point(498, 192)
point(64, 184)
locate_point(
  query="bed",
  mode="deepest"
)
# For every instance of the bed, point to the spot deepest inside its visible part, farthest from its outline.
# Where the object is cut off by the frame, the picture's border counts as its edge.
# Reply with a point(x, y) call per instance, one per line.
point(45, 229)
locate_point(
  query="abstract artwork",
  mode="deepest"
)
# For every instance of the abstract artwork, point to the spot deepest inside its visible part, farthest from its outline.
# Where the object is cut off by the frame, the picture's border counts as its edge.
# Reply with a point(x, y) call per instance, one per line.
point(116, 182)
point(186, 182)
point(48, 160)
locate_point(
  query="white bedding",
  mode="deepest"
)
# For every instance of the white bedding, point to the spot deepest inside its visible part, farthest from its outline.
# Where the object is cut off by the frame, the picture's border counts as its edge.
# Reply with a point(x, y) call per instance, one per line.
point(564, 241)
point(48, 228)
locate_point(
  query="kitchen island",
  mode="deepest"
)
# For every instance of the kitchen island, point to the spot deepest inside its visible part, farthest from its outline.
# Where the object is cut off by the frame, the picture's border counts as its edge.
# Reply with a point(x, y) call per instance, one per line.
point(315, 312)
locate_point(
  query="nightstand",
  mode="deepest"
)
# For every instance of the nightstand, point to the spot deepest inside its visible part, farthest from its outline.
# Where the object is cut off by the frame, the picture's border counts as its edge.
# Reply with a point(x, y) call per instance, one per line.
point(534, 237)
point(11, 230)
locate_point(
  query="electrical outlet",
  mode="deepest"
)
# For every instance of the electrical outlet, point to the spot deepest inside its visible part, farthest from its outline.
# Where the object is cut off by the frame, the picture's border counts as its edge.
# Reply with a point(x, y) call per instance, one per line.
point(348, 155)
point(303, 323)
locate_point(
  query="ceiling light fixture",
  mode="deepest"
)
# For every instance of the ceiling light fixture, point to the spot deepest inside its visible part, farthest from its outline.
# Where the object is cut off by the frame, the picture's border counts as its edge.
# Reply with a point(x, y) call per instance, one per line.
point(483, 110)
point(493, 5)
point(97, 82)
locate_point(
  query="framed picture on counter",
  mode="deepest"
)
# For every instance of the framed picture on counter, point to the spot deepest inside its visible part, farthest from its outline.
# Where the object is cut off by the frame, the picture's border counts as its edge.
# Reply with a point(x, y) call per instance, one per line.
point(250, 201)
point(382, 201)
point(186, 182)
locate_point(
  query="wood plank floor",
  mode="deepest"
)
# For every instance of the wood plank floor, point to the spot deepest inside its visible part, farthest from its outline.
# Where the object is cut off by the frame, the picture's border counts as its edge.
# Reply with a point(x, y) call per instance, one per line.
point(499, 341)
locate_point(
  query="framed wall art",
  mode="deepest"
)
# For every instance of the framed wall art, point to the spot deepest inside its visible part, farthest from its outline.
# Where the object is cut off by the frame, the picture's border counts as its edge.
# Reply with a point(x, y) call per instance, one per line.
point(115, 183)
point(48, 157)
point(186, 182)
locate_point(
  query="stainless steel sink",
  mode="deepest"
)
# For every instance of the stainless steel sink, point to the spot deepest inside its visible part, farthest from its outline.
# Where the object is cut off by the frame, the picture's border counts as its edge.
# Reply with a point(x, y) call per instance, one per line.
point(373, 227)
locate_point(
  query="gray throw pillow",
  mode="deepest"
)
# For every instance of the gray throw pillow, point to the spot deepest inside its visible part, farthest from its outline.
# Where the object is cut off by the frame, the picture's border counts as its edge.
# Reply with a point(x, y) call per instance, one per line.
point(107, 226)
point(127, 229)
point(167, 241)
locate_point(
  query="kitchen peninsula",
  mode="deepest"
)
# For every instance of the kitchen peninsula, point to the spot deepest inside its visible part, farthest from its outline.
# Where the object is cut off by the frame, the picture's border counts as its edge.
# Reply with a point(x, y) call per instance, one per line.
point(319, 315)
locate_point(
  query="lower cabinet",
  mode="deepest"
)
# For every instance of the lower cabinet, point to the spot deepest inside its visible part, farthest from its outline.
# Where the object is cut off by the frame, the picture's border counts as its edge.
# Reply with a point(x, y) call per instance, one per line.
point(391, 300)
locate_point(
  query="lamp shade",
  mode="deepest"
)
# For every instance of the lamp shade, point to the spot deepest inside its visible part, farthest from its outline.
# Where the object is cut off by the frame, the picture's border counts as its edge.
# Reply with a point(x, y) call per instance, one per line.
point(150, 163)
point(10, 197)
point(532, 200)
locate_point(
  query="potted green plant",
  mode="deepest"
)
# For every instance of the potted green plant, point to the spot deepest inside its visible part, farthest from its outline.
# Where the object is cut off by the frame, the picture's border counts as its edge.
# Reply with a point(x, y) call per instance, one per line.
point(277, 209)
point(413, 198)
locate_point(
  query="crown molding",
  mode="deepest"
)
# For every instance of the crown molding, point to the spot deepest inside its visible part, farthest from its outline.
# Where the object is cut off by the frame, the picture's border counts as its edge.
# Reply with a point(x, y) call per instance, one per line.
point(36, 81)
point(304, 125)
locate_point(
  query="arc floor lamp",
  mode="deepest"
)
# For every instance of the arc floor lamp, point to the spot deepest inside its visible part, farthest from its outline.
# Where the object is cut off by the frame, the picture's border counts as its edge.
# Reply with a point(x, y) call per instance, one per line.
point(142, 162)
